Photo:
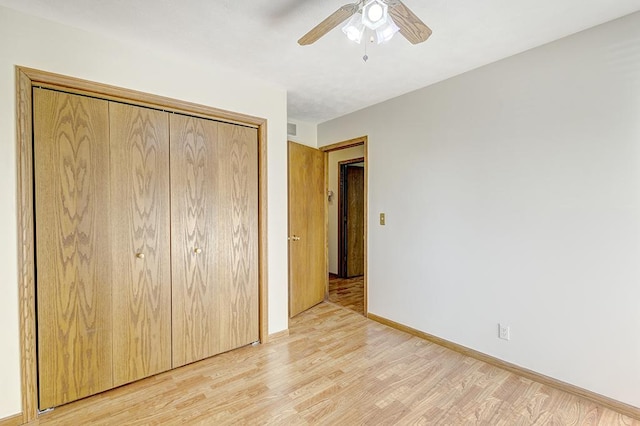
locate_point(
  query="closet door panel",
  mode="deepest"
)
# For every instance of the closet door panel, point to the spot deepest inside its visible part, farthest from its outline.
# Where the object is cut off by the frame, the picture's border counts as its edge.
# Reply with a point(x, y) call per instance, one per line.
point(237, 238)
point(141, 246)
point(194, 229)
point(71, 166)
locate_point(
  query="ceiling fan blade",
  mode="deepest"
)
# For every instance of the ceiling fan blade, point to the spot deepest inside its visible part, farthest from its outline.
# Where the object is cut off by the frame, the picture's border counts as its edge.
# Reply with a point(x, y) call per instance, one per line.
point(335, 19)
point(411, 27)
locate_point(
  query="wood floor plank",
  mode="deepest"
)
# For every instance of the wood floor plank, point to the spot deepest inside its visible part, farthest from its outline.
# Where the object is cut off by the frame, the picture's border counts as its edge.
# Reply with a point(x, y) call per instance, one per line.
point(337, 367)
point(347, 292)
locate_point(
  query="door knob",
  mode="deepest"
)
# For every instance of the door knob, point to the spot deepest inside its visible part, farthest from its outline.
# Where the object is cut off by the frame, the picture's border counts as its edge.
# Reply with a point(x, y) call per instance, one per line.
point(140, 255)
point(197, 250)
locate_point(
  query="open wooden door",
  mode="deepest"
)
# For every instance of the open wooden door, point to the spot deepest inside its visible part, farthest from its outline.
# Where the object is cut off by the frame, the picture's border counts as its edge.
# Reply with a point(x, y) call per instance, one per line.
point(351, 228)
point(307, 255)
point(354, 224)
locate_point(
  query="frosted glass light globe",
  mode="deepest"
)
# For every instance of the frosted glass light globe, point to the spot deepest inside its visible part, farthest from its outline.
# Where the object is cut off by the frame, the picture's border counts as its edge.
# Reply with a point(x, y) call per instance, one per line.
point(353, 34)
point(375, 12)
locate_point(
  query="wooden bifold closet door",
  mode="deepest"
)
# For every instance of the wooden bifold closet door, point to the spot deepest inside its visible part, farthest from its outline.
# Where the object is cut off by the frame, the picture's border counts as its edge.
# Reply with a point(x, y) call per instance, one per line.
point(214, 237)
point(141, 255)
point(73, 246)
point(146, 242)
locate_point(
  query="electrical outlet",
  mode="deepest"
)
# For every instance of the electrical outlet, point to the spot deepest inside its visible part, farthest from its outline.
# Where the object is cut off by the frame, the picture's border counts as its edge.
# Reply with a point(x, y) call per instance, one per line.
point(504, 332)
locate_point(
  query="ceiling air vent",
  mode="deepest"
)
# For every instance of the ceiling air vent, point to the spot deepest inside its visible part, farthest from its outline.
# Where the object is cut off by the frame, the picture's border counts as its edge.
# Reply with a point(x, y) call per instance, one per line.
point(292, 129)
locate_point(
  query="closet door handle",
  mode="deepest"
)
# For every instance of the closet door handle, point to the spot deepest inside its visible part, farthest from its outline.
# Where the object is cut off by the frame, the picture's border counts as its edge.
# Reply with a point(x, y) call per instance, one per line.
point(197, 250)
point(140, 255)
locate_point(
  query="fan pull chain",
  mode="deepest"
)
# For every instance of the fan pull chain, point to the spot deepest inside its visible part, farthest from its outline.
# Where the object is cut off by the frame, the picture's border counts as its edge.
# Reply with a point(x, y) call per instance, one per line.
point(366, 57)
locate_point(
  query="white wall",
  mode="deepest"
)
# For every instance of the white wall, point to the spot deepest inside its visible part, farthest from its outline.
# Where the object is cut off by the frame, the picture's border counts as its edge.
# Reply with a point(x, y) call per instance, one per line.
point(41, 44)
point(306, 133)
point(512, 195)
point(334, 185)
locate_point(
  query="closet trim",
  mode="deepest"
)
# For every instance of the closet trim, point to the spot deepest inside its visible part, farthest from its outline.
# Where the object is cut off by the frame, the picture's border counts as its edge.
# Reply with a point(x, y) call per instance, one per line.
point(26, 79)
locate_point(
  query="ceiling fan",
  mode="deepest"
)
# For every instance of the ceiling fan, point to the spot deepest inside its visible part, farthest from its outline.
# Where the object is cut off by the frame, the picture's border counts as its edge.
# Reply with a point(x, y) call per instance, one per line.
point(385, 17)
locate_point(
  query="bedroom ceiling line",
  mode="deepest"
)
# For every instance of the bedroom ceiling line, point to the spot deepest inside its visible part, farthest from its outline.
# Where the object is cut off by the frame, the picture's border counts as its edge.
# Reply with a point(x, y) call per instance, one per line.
point(329, 78)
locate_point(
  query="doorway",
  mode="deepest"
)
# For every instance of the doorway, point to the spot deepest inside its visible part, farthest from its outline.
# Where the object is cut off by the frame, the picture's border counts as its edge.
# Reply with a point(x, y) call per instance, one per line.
point(346, 179)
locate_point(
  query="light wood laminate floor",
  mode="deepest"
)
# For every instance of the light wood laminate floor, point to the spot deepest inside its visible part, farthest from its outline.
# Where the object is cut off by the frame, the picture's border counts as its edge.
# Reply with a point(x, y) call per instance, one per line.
point(336, 368)
point(347, 292)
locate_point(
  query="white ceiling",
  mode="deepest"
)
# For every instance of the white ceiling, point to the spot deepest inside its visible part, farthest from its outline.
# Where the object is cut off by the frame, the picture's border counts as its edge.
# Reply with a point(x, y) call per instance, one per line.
point(329, 79)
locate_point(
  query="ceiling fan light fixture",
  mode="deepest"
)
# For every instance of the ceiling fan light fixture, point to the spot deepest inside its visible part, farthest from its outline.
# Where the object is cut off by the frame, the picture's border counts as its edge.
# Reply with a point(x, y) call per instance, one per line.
point(387, 31)
point(354, 29)
point(375, 14)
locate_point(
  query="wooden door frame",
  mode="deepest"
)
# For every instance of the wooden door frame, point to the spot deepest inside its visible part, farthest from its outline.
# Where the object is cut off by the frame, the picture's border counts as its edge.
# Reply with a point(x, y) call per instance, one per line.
point(362, 140)
point(26, 79)
point(342, 267)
